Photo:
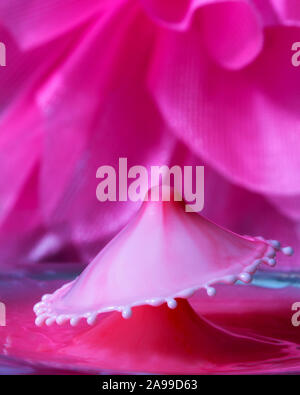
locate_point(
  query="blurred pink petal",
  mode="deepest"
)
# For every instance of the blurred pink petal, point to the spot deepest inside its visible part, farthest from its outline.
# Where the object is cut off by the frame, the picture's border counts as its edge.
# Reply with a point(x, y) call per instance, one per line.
point(288, 11)
point(101, 117)
point(18, 160)
point(287, 205)
point(232, 33)
point(232, 30)
point(244, 123)
point(35, 22)
point(177, 14)
point(172, 12)
point(20, 141)
point(21, 145)
point(74, 122)
point(278, 12)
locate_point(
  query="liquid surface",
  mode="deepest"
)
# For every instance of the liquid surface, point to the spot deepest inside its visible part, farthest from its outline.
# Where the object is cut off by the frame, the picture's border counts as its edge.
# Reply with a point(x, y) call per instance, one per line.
point(262, 311)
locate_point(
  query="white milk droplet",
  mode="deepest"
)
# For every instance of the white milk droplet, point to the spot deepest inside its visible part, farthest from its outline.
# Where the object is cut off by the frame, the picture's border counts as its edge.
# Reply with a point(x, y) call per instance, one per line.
point(127, 313)
point(271, 252)
point(272, 262)
point(275, 244)
point(74, 321)
point(172, 304)
point(211, 291)
point(40, 320)
point(245, 277)
point(61, 319)
point(287, 250)
point(91, 319)
point(50, 320)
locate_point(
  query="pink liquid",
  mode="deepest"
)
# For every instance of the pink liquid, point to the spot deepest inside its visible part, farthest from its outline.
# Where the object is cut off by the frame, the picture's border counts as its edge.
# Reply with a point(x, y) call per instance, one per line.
point(250, 313)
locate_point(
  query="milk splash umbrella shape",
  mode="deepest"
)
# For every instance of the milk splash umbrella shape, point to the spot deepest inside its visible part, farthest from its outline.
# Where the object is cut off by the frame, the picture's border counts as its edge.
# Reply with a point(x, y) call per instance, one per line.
point(147, 272)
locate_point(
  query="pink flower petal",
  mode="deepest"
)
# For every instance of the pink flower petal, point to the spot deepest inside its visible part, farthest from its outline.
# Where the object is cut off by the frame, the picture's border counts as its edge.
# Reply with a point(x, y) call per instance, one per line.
point(245, 123)
point(173, 12)
point(103, 112)
point(288, 205)
point(286, 12)
point(232, 29)
point(21, 141)
point(38, 21)
point(232, 33)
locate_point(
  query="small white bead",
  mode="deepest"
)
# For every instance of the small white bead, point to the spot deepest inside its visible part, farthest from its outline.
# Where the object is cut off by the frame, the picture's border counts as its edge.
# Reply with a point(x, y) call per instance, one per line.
point(127, 313)
point(275, 244)
point(91, 319)
point(245, 277)
point(211, 291)
point(287, 251)
point(40, 320)
point(61, 319)
point(50, 321)
point(271, 262)
point(74, 321)
point(172, 304)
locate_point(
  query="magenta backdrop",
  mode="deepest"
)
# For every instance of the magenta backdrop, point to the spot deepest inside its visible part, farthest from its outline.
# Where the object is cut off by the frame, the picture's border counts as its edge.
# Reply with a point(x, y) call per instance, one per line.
point(203, 82)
